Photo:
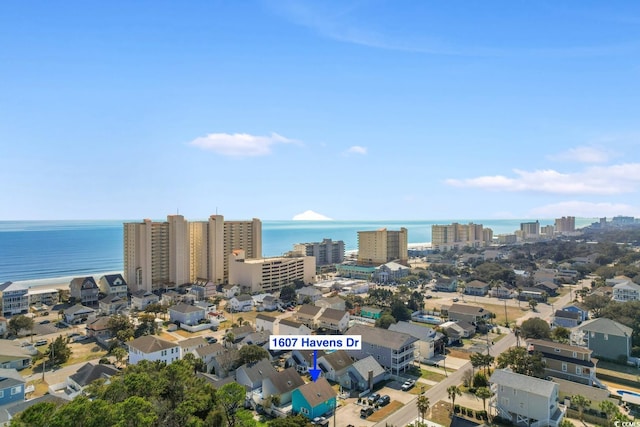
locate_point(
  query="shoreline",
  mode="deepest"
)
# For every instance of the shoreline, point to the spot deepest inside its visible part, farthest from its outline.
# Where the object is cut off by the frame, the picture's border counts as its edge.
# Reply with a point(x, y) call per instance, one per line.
point(58, 282)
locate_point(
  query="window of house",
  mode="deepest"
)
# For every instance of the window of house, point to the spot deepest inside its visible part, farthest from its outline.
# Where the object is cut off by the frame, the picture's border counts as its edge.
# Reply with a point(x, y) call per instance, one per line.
point(304, 411)
point(606, 337)
point(578, 370)
point(557, 350)
point(16, 390)
point(1, 394)
point(505, 401)
point(564, 367)
point(575, 354)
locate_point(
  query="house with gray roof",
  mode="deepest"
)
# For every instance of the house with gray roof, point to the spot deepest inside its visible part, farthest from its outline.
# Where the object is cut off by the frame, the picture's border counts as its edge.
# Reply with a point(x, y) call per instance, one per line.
point(112, 304)
point(241, 332)
point(282, 384)
point(333, 321)
point(607, 338)
point(240, 303)
point(78, 314)
point(579, 308)
point(314, 399)
point(85, 290)
point(88, 373)
point(334, 365)
point(209, 355)
point(113, 284)
point(152, 348)
point(302, 360)
point(186, 314)
point(469, 313)
point(626, 291)
point(308, 315)
point(426, 336)
point(476, 287)
point(336, 303)
point(189, 345)
point(308, 292)
point(141, 299)
point(8, 412)
point(363, 374)
point(267, 323)
point(251, 375)
point(291, 327)
point(393, 350)
point(525, 400)
point(390, 272)
point(565, 318)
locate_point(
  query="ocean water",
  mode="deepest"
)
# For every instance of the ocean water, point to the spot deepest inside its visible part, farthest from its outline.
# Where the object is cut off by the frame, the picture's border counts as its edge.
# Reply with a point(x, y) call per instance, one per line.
point(32, 250)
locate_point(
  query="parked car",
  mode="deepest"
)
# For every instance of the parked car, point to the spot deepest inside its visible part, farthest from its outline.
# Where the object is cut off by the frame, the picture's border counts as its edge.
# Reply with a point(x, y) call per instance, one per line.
point(456, 299)
point(44, 322)
point(365, 412)
point(41, 342)
point(373, 398)
point(384, 400)
point(211, 340)
point(408, 385)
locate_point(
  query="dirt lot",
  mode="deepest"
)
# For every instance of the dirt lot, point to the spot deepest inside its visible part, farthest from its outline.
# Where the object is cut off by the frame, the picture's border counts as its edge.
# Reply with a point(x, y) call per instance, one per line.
point(84, 351)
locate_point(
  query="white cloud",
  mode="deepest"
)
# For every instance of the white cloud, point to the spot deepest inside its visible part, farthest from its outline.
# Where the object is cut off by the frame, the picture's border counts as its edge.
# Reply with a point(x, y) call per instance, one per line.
point(357, 149)
point(310, 216)
point(239, 144)
point(584, 209)
point(602, 180)
point(583, 154)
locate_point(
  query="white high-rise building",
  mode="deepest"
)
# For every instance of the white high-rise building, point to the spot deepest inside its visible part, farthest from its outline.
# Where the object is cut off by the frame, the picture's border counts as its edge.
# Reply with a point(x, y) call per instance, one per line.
point(163, 255)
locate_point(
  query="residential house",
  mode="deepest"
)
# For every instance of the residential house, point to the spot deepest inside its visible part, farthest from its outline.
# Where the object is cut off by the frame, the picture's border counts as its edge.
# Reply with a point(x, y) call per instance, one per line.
point(186, 314)
point(14, 357)
point(141, 299)
point(566, 319)
point(190, 345)
point(626, 291)
point(477, 288)
point(15, 298)
point(266, 323)
point(525, 400)
point(204, 290)
point(88, 373)
point(581, 309)
point(314, 399)
point(545, 274)
point(85, 290)
point(547, 286)
point(308, 315)
point(240, 303)
point(334, 365)
point(99, 328)
point(8, 412)
point(152, 348)
point(308, 295)
point(469, 313)
point(393, 350)
point(11, 388)
point(256, 338)
point(445, 285)
point(282, 384)
point(290, 327)
point(172, 297)
point(457, 330)
point(527, 293)
point(302, 360)
point(427, 338)
point(214, 380)
point(112, 304)
point(42, 296)
point(333, 321)
point(113, 284)
point(78, 314)
point(229, 291)
point(336, 303)
point(501, 292)
point(3, 327)
point(269, 303)
point(617, 280)
point(241, 332)
point(251, 375)
point(363, 374)
point(595, 395)
point(390, 272)
point(208, 355)
point(370, 312)
point(607, 338)
point(566, 361)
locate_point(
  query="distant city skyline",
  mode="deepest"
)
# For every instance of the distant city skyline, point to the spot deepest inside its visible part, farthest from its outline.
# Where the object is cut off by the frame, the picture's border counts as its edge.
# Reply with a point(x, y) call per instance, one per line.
point(341, 109)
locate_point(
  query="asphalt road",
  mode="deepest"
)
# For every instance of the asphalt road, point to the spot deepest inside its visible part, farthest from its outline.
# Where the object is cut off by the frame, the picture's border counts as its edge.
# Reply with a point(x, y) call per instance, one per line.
point(409, 412)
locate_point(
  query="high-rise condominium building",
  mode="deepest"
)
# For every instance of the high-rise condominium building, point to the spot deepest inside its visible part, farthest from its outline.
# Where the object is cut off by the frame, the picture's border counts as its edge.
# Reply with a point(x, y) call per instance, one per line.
point(566, 224)
point(160, 255)
point(381, 246)
point(530, 229)
point(456, 235)
point(326, 252)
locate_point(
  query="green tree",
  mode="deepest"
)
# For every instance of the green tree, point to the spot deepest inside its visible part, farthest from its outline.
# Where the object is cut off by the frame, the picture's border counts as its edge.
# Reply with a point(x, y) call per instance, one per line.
point(287, 293)
point(231, 397)
point(423, 405)
point(228, 338)
point(399, 311)
point(298, 420)
point(610, 409)
point(596, 303)
point(484, 393)
point(560, 334)
point(533, 304)
point(252, 353)
point(119, 353)
point(535, 328)
point(453, 391)
point(480, 380)
point(38, 415)
point(120, 327)
point(19, 323)
point(135, 412)
point(581, 403)
point(521, 362)
point(385, 321)
point(59, 351)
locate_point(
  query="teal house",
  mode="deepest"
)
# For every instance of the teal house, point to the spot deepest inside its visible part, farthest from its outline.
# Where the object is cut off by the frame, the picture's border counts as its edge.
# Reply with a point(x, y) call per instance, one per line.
point(314, 399)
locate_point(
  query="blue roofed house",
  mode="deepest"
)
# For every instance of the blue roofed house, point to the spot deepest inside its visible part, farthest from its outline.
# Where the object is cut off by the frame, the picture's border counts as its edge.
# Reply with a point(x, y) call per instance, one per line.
point(579, 308)
point(314, 399)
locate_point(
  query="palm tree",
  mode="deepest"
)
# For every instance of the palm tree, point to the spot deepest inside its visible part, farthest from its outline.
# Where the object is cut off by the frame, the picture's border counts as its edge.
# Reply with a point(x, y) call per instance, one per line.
point(582, 403)
point(229, 338)
point(484, 393)
point(423, 405)
point(453, 391)
point(609, 408)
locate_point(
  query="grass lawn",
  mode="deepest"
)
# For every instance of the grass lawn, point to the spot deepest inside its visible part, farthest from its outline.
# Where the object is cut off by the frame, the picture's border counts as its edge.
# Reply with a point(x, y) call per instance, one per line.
point(419, 388)
point(41, 388)
point(166, 336)
point(383, 413)
point(440, 413)
point(513, 313)
point(432, 376)
point(83, 352)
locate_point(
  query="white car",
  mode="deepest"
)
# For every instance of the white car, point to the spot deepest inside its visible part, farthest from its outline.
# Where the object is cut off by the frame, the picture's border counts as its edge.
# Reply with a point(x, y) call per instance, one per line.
point(408, 385)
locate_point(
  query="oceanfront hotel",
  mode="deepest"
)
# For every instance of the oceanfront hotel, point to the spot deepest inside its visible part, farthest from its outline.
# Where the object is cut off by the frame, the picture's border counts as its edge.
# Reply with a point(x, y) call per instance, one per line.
point(163, 255)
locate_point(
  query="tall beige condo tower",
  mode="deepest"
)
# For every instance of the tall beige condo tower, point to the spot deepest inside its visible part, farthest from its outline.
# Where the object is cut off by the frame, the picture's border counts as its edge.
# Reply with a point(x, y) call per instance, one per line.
point(163, 255)
point(381, 246)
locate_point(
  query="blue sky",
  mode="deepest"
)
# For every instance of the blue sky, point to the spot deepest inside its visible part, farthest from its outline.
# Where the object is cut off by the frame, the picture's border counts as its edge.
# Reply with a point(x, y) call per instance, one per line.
point(352, 109)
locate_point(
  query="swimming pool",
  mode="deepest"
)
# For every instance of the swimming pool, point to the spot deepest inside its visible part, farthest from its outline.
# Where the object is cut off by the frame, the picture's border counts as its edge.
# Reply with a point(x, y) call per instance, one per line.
point(633, 393)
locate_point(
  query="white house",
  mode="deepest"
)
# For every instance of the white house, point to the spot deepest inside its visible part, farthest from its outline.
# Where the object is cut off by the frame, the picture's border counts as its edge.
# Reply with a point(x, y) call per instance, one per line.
point(525, 400)
point(229, 291)
point(266, 323)
point(141, 299)
point(152, 348)
point(113, 284)
point(626, 291)
point(78, 314)
point(334, 320)
point(308, 292)
point(242, 302)
point(186, 314)
point(290, 327)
